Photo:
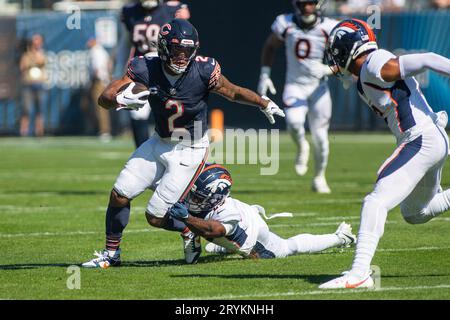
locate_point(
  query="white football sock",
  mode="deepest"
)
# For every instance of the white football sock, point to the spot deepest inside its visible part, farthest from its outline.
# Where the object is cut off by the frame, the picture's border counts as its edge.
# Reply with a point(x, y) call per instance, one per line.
point(373, 219)
point(308, 243)
point(439, 204)
point(321, 150)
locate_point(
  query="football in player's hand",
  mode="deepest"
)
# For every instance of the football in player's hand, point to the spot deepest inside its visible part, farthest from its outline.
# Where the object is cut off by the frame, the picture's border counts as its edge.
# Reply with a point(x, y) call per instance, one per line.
point(138, 87)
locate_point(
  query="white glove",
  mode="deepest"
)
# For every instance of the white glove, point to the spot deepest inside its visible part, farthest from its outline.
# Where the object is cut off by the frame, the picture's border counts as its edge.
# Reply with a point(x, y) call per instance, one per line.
point(132, 101)
point(272, 109)
point(265, 82)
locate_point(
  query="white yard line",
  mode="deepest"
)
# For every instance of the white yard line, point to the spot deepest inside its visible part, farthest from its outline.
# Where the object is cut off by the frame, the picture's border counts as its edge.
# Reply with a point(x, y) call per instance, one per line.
point(313, 292)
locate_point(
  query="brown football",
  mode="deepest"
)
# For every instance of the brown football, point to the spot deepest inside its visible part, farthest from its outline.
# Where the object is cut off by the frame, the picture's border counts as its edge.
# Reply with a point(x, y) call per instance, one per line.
point(139, 87)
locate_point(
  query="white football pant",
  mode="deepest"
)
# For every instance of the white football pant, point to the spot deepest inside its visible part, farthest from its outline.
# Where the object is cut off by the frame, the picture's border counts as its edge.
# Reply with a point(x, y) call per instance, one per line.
point(411, 178)
point(316, 106)
point(166, 167)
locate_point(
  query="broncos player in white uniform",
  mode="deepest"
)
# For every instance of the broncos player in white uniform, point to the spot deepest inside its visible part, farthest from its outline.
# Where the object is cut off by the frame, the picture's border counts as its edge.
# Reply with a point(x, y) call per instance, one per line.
point(411, 177)
point(236, 227)
point(306, 93)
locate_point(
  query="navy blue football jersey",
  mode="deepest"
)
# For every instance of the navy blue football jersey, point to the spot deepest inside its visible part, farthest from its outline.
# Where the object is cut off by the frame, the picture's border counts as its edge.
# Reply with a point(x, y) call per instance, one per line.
point(144, 25)
point(183, 103)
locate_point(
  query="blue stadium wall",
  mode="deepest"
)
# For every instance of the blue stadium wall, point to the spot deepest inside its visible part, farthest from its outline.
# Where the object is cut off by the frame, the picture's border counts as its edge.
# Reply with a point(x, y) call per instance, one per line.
point(233, 32)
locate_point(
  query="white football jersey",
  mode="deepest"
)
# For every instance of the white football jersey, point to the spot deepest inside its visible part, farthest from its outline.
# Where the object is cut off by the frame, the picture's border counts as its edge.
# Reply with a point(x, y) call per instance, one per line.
point(304, 48)
point(242, 223)
point(400, 103)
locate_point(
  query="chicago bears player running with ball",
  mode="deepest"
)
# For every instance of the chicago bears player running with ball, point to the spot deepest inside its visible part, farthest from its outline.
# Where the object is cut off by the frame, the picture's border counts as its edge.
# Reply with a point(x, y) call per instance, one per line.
point(306, 93)
point(233, 226)
point(411, 176)
point(143, 20)
point(178, 83)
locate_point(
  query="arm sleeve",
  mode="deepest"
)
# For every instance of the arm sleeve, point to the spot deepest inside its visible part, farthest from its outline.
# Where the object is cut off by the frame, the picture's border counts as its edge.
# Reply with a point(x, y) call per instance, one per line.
point(210, 70)
point(375, 64)
point(413, 64)
point(137, 70)
point(279, 27)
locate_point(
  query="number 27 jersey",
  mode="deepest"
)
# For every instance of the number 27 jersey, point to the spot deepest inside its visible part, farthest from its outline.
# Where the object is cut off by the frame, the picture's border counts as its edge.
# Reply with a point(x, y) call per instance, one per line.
point(305, 48)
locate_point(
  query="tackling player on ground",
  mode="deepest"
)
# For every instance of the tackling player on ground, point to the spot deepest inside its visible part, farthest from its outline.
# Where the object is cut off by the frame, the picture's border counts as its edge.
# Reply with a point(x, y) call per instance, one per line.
point(233, 226)
point(143, 20)
point(178, 83)
point(306, 93)
point(411, 177)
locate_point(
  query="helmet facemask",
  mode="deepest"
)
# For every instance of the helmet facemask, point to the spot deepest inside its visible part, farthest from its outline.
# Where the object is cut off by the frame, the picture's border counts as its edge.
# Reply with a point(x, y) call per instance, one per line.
point(306, 18)
point(177, 54)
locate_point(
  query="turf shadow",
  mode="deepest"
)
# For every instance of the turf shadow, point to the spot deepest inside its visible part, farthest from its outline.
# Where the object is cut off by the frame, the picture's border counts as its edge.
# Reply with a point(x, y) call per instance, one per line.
point(178, 262)
point(317, 279)
point(26, 266)
point(139, 263)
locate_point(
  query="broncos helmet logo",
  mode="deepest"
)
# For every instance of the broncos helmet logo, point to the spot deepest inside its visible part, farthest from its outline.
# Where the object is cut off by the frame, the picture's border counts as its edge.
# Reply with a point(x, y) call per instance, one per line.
point(218, 185)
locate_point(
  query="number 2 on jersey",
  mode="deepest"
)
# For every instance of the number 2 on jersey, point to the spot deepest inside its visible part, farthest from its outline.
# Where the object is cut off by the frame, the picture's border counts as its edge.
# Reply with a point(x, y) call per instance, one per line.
point(179, 109)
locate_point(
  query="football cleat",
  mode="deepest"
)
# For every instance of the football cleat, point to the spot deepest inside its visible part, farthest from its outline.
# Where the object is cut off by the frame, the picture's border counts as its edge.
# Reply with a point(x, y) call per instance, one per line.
point(103, 260)
point(320, 185)
point(344, 232)
point(301, 164)
point(349, 281)
point(192, 247)
point(214, 248)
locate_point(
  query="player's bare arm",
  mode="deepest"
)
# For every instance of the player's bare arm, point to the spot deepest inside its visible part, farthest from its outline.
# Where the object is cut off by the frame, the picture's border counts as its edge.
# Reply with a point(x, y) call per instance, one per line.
point(413, 64)
point(205, 228)
point(267, 57)
point(235, 93)
point(271, 45)
point(242, 95)
point(201, 227)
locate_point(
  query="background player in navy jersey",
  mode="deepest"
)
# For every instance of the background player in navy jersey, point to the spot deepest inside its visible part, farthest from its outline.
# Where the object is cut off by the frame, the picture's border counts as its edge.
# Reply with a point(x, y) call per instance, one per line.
point(143, 20)
point(178, 83)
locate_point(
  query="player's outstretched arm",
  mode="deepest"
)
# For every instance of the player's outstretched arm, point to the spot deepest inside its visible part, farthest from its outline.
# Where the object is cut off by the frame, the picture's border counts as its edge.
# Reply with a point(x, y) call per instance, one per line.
point(267, 57)
point(205, 228)
point(412, 64)
point(201, 227)
point(242, 95)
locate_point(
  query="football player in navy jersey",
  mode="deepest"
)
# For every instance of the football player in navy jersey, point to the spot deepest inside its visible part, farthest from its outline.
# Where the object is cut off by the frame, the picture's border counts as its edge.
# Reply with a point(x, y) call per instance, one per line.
point(178, 83)
point(143, 20)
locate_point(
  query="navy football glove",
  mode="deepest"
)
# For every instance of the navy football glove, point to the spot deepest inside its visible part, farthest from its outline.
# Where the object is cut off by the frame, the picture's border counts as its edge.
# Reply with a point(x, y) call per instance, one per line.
point(179, 211)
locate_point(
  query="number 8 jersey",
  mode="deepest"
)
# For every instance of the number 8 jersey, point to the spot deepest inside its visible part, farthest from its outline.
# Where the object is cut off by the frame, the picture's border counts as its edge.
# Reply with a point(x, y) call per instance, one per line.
point(304, 48)
point(182, 104)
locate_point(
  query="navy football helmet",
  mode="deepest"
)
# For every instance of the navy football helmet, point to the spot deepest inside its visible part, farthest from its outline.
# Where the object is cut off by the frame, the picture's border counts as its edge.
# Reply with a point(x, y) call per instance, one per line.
point(209, 191)
point(178, 44)
point(348, 40)
point(307, 19)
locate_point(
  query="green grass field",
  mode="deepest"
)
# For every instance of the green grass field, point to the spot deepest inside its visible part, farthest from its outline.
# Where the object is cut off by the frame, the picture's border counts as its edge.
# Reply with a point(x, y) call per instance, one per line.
point(54, 191)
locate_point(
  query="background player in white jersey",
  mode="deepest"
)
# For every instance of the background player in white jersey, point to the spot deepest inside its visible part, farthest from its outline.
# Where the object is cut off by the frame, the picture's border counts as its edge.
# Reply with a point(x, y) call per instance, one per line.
point(236, 227)
point(411, 176)
point(306, 93)
point(177, 83)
